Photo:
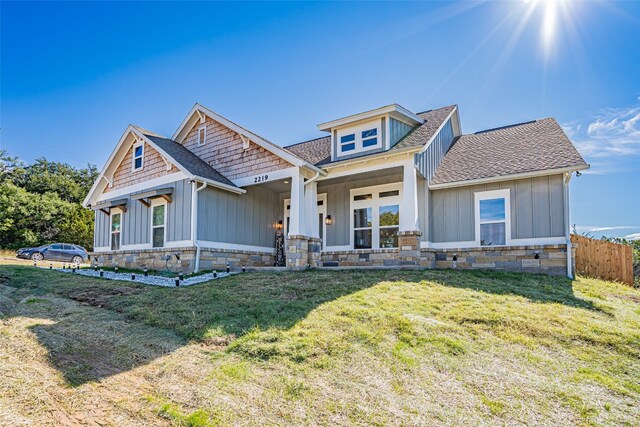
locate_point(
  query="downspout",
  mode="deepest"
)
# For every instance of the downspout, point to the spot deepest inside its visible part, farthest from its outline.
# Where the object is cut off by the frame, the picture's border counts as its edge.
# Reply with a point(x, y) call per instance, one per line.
point(194, 220)
point(567, 223)
point(315, 178)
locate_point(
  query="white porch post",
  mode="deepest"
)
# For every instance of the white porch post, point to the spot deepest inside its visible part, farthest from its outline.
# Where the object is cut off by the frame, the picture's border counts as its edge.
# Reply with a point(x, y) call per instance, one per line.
point(409, 208)
point(297, 211)
point(311, 209)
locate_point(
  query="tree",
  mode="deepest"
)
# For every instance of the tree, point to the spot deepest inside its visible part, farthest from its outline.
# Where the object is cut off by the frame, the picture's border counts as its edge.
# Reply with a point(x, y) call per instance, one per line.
point(40, 203)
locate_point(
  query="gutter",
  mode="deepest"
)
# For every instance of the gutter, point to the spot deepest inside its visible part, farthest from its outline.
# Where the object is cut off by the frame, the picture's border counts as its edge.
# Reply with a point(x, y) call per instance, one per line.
point(543, 172)
point(194, 220)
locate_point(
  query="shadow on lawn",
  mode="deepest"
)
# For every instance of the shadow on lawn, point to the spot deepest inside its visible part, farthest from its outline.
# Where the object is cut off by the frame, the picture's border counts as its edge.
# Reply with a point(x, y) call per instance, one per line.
point(97, 328)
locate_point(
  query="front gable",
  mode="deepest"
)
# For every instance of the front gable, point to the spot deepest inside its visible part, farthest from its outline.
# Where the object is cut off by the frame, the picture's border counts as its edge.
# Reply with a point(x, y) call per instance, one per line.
point(233, 155)
point(153, 166)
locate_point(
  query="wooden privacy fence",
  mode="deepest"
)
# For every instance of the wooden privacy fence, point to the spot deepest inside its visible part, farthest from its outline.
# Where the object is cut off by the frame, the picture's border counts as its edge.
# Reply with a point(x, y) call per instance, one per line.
point(602, 259)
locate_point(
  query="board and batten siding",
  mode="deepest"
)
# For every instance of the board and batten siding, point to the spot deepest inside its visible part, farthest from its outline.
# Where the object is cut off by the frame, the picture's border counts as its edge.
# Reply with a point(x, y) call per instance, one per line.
point(100, 229)
point(397, 130)
point(136, 221)
point(428, 160)
point(245, 219)
point(537, 209)
point(338, 205)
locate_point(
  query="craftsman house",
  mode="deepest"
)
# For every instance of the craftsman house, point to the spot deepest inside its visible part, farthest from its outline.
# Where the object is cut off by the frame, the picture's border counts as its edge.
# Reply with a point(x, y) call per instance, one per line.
point(382, 188)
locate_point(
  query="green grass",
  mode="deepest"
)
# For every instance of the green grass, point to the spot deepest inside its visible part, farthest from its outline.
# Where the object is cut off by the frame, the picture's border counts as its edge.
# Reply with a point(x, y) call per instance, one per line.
point(349, 347)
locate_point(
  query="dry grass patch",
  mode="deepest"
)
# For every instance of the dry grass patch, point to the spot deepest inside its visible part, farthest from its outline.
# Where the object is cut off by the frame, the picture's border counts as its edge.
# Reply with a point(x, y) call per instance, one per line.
point(320, 347)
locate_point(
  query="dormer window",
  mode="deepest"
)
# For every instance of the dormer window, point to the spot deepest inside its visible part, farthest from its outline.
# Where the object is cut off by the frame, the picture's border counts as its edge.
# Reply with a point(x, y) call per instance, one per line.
point(369, 138)
point(202, 135)
point(348, 142)
point(138, 156)
point(370, 132)
point(363, 137)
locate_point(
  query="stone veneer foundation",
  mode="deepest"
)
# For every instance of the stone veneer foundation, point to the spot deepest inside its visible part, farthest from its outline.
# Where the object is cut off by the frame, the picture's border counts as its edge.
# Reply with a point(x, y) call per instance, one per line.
point(303, 252)
point(156, 259)
point(549, 259)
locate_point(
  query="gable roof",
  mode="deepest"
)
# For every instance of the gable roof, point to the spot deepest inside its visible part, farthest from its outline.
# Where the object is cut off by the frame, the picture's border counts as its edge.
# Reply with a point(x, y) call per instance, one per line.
point(433, 120)
point(536, 146)
point(193, 164)
point(318, 151)
point(190, 164)
point(199, 111)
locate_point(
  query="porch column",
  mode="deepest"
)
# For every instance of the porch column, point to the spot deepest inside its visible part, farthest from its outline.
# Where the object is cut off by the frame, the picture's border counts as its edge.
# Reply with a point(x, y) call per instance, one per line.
point(296, 212)
point(409, 208)
point(311, 209)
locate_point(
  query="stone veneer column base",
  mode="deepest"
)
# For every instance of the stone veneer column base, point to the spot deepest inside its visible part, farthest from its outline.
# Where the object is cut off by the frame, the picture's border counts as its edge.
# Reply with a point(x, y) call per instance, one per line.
point(409, 248)
point(313, 254)
point(297, 252)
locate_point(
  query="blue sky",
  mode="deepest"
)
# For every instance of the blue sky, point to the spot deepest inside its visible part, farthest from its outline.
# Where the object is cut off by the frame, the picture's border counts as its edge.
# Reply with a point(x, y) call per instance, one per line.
point(74, 75)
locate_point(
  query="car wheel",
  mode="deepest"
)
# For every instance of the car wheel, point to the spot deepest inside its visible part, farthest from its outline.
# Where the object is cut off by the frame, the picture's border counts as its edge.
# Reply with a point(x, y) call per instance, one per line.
point(77, 259)
point(37, 256)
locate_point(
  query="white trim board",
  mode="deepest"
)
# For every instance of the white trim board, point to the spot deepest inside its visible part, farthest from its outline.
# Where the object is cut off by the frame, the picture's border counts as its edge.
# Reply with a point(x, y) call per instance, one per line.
point(508, 177)
point(394, 109)
point(266, 177)
point(166, 179)
point(471, 244)
point(206, 244)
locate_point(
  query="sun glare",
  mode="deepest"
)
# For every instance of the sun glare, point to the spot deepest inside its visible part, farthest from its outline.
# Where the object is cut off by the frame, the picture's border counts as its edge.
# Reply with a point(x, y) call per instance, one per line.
point(553, 12)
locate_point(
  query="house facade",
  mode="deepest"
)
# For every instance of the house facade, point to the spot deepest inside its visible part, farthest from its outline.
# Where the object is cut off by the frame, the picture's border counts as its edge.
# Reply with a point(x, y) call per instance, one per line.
point(382, 188)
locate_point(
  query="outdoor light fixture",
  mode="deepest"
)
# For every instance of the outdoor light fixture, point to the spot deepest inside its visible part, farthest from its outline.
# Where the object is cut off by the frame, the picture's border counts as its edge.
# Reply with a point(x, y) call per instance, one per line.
point(537, 256)
point(177, 257)
point(578, 173)
point(328, 220)
point(279, 225)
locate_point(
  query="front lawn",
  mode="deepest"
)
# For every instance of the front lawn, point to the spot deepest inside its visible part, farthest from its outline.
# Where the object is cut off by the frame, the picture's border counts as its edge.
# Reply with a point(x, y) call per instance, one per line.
point(319, 347)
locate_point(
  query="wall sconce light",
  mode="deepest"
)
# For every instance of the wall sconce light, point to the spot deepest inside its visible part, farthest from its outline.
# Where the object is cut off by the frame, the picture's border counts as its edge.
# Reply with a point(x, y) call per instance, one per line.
point(279, 225)
point(328, 220)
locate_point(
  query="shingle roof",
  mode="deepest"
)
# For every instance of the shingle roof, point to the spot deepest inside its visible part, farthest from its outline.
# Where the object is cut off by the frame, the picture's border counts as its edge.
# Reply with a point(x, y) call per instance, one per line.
point(423, 133)
point(187, 159)
point(318, 151)
point(527, 147)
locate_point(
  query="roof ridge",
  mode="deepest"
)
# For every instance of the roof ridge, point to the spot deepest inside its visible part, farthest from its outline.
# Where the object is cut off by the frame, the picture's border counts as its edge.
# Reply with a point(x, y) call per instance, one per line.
point(434, 109)
point(148, 132)
point(510, 126)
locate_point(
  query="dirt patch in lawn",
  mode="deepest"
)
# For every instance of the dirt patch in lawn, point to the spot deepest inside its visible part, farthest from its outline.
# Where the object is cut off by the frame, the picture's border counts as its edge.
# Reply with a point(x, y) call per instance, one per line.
point(100, 296)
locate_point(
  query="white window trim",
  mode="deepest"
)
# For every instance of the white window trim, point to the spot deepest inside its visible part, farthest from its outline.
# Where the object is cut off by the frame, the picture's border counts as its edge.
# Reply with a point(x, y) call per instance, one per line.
point(200, 142)
point(133, 161)
point(158, 202)
point(113, 212)
point(374, 203)
point(494, 194)
point(357, 131)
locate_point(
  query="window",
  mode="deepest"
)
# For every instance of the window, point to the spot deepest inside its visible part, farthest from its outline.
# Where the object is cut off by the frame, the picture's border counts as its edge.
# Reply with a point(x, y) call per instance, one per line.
point(347, 142)
point(158, 225)
point(202, 135)
point(362, 228)
point(493, 226)
point(389, 226)
point(138, 156)
point(56, 247)
point(116, 228)
point(376, 217)
point(363, 137)
point(369, 137)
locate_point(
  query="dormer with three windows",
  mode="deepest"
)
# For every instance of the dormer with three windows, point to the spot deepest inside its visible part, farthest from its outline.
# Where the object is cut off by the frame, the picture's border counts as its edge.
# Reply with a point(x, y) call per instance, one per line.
point(370, 132)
